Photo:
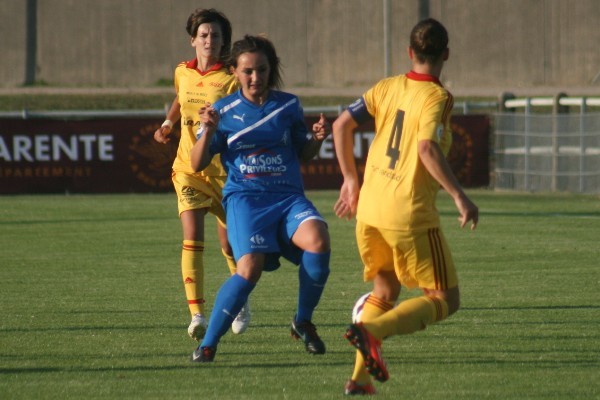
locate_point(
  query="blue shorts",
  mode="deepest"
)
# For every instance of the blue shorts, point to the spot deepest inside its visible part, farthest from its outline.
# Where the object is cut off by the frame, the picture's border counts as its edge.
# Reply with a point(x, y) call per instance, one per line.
point(265, 223)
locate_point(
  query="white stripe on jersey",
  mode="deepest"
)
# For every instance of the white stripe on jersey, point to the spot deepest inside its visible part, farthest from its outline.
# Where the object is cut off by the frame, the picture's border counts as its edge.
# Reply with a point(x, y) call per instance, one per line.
point(259, 123)
point(230, 106)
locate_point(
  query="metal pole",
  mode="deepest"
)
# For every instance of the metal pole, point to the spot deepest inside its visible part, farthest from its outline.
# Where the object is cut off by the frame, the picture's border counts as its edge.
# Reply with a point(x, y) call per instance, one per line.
point(582, 131)
point(387, 47)
point(423, 9)
point(527, 144)
point(31, 42)
point(557, 110)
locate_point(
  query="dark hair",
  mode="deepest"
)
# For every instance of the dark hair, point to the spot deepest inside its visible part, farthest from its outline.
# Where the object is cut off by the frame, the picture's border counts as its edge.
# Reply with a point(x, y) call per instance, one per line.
point(206, 16)
point(259, 44)
point(429, 40)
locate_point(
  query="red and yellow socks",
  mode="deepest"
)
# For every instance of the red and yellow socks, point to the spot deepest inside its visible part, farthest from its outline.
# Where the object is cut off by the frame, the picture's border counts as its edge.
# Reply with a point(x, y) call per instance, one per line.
point(192, 271)
point(409, 316)
point(373, 308)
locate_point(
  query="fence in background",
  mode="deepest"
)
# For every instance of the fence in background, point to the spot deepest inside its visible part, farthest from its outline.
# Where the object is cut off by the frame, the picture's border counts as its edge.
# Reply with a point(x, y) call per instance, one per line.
point(548, 146)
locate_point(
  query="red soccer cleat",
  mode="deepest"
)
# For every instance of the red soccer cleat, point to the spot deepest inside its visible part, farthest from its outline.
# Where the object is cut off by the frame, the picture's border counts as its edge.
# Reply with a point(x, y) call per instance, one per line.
point(370, 348)
point(354, 389)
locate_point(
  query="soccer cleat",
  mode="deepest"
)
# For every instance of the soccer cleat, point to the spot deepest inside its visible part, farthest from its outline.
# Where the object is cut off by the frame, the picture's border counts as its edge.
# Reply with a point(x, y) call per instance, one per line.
point(197, 327)
point(204, 354)
point(242, 320)
point(308, 333)
point(352, 389)
point(370, 348)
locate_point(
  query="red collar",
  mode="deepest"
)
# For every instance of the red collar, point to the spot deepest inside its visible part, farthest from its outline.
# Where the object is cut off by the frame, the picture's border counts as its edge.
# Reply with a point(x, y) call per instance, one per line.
point(193, 64)
point(423, 77)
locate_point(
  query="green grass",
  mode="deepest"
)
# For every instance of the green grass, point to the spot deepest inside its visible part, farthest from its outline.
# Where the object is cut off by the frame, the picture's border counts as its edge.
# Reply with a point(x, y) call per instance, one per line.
point(93, 307)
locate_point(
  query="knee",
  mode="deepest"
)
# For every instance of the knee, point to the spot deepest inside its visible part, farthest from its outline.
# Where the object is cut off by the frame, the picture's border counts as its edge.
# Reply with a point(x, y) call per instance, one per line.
point(313, 236)
point(320, 242)
point(386, 286)
point(453, 300)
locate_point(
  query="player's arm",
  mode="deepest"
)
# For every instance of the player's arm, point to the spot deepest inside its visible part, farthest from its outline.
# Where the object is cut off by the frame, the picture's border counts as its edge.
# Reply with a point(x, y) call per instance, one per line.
point(161, 135)
point(200, 156)
point(343, 137)
point(320, 130)
point(433, 159)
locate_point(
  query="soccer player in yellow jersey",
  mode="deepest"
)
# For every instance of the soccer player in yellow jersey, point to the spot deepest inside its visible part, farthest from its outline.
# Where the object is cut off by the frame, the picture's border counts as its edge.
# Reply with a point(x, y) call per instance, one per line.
point(398, 230)
point(204, 79)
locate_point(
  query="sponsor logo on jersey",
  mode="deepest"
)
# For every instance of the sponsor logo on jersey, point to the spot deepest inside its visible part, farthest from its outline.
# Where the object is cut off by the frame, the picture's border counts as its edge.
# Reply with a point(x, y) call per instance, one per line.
point(262, 163)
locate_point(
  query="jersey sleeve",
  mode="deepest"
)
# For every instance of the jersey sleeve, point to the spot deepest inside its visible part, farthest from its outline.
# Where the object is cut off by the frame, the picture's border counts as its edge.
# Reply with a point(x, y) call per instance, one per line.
point(299, 131)
point(435, 117)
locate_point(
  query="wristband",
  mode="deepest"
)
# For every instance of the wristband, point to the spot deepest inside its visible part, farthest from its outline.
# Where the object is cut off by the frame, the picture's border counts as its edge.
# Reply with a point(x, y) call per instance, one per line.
point(168, 123)
point(201, 131)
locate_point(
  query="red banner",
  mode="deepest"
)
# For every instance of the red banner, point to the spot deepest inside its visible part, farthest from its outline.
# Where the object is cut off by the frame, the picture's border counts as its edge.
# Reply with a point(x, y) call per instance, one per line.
point(468, 156)
point(119, 155)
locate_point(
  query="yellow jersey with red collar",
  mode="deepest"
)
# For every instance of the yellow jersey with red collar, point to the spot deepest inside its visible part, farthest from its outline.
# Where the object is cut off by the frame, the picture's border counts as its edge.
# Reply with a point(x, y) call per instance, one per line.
point(398, 193)
point(194, 89)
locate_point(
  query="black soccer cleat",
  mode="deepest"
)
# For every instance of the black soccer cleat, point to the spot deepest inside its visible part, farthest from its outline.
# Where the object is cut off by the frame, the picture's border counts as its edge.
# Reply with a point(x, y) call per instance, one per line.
point(307, 331)
point(204, 354)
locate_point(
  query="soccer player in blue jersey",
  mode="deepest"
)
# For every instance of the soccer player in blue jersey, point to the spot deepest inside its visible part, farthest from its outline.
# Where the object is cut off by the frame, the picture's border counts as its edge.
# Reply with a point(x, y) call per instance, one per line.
point(261, 137)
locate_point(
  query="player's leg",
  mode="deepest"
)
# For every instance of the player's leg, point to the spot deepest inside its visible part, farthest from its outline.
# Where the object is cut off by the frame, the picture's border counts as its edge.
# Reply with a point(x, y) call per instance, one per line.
point(378, 261)
point(226, 247)
point(247, 219)
point(242, 320)
point(230, 299)
point(192, 269)
point(194, 200)
point(313, 238)
point(310, 235)
point(374, 306)
point(429, 265)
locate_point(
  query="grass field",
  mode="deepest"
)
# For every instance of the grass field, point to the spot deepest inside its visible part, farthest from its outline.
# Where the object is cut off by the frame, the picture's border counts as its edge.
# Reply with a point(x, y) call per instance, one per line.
point(93, 307)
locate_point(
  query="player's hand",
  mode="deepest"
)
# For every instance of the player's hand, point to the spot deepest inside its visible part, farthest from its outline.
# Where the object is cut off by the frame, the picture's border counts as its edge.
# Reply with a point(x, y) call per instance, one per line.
point(321, 128)
point(468, 212)
point(161, 135)
point(209, 116)
point(345, 206)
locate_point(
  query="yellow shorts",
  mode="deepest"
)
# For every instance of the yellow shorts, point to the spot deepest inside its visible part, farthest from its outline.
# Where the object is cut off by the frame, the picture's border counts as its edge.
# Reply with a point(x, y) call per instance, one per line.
point(420, 259)
point(195, 191)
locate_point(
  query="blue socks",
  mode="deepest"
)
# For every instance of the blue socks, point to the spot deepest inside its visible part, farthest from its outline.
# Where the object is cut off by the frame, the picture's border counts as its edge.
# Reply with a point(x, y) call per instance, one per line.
point(313, 274)
point(230, 299)
point(233, 294)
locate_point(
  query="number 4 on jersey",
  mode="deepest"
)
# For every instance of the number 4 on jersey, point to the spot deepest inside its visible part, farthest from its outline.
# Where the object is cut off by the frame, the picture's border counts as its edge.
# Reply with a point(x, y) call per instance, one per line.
point(393, 149)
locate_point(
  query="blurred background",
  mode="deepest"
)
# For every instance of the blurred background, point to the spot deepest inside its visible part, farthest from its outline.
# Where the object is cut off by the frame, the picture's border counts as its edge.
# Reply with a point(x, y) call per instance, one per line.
point(339, 46)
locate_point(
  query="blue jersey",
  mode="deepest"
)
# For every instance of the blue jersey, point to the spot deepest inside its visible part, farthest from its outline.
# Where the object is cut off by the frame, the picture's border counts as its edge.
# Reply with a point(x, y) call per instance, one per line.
point(260, 145)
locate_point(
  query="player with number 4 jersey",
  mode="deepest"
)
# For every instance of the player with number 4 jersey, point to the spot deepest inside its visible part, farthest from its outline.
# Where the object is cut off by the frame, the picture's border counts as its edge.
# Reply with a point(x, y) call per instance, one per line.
point(398, 229)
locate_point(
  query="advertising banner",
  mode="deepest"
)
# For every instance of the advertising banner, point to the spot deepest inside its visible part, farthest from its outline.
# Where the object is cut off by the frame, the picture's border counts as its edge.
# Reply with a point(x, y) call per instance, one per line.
point(119, 155)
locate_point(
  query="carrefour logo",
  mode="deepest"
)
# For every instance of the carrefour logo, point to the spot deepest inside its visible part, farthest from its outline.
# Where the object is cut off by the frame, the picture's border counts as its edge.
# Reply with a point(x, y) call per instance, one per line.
point(258, 241)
